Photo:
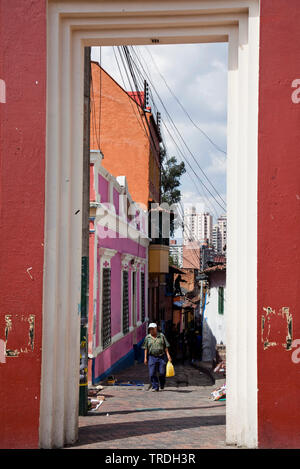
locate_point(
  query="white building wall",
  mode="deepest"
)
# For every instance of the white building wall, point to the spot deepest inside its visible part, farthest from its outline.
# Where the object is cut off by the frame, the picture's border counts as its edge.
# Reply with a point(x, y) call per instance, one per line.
point(216, 321)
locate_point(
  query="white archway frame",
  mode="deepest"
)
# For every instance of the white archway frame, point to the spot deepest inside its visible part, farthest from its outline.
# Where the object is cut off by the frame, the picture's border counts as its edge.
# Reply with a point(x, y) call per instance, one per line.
point(71, 26)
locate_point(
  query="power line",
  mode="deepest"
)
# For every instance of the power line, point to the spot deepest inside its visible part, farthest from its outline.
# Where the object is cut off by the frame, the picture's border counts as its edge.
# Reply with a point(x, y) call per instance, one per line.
point(136, 86)
point(100, 91)
point(135, 80)
point(182, 153)
point(183, 108)
point(183, 157)
point(180, 136)
point(192, 169)
point(150, 136)
point(181, 216)
point(138, 117)
point(94, 115)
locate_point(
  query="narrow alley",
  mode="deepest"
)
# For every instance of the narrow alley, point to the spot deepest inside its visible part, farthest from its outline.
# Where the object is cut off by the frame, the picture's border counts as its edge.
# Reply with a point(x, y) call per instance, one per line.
point(152, 150)
point(183, 415)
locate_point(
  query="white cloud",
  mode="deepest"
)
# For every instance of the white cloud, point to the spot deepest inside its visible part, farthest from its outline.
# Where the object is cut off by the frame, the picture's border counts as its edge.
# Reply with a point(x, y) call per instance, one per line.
point(218, 165)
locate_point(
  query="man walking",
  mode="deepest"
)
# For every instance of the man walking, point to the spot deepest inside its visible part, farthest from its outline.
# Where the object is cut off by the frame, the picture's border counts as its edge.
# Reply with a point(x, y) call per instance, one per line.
point(156, 351)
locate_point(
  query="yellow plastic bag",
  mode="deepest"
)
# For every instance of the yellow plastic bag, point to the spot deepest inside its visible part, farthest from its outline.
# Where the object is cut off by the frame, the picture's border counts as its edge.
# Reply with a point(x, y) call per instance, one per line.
point(170, 370)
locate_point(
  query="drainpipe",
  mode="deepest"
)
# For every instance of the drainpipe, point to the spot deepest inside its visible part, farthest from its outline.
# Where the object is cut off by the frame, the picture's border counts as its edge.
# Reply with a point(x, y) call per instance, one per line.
point(83, 385)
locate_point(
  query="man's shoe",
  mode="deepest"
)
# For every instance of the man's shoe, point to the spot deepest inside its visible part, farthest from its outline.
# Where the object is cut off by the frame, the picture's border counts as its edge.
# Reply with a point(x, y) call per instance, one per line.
point(155, 389)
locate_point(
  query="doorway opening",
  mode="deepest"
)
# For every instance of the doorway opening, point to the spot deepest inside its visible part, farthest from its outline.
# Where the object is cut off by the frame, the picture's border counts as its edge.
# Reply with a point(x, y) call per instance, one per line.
point(71, 27)
point(162, 128)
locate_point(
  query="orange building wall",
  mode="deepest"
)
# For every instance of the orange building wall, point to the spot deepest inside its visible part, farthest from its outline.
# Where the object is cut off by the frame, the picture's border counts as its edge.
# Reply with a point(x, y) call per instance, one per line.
point(191, 256)
point(122, 138)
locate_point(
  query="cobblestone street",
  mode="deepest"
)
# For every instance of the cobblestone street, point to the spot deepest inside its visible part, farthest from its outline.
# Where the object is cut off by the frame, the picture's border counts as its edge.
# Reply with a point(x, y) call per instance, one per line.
point(181, 416)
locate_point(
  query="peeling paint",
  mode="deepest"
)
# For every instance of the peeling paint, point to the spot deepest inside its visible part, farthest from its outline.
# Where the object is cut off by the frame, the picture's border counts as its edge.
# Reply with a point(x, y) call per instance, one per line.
point(28, 271)
point(31, 321)
point(266, 327)
point(14, 323)
point(2, 91)
point(2, 351)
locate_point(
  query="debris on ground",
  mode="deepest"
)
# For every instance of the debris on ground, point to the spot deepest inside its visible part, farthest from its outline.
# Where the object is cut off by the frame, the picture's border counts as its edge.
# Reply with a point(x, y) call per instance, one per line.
point(129, 383)
point(95, 398)
point(112, 381)
point(220, 368)
point(219, 394)
point(94, 404)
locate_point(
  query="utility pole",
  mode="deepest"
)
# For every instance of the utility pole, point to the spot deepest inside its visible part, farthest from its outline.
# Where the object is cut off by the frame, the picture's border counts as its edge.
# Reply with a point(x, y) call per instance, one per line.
point(83, 384)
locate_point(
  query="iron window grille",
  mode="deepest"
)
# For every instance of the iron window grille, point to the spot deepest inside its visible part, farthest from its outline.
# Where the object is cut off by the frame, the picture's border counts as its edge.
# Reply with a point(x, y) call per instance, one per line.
point(106, 308)
point(143, 296)
point(125, 303)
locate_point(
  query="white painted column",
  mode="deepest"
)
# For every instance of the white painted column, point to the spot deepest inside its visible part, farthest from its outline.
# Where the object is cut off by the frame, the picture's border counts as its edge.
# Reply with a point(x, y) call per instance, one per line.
point(232, 237)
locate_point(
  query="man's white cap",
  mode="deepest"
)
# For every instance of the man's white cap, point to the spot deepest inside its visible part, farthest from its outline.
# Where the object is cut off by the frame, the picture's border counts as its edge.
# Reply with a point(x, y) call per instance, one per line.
point(152, 324)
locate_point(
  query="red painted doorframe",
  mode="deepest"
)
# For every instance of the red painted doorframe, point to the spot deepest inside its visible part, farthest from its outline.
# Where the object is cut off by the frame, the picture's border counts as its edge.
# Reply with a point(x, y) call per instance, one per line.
point(278, 220)
point(22, 204)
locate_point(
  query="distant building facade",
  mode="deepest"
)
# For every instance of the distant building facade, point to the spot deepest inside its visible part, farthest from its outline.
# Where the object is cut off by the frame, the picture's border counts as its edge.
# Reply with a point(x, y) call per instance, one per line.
point(222, 224)
point(120, 128)
point(216, 239)
point(118, 275)
point(214, 312)
point(191, 254)
point(197, 226)
point(176, 252)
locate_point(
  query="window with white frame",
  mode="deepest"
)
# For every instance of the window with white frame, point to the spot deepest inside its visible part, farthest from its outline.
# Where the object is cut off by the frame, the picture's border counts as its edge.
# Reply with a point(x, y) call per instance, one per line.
point(105, 296)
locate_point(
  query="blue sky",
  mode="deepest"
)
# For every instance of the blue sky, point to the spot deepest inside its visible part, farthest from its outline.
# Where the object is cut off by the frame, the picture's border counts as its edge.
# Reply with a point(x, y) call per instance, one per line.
point(197, 74)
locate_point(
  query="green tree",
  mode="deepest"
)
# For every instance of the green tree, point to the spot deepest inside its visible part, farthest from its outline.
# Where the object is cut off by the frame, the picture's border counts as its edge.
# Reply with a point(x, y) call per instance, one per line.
point(170, 182)
point(173, 261)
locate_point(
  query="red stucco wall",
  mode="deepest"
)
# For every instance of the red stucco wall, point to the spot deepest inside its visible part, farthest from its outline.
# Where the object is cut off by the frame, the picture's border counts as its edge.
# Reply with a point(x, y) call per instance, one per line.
point(22, 163)
point(22, 159)
point(279, 220)
point(123, 141)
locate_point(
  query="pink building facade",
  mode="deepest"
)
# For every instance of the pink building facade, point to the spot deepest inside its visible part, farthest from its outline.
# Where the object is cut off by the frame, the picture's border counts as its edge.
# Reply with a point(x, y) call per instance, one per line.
point(118, 277)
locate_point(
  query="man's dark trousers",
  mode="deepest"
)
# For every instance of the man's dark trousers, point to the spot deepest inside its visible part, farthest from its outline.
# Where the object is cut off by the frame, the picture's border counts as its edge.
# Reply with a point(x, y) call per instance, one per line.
point(157, 364)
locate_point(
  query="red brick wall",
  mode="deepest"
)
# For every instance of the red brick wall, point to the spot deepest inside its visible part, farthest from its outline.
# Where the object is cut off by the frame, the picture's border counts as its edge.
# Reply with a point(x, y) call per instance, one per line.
point(191, 256)
point(122, 137)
